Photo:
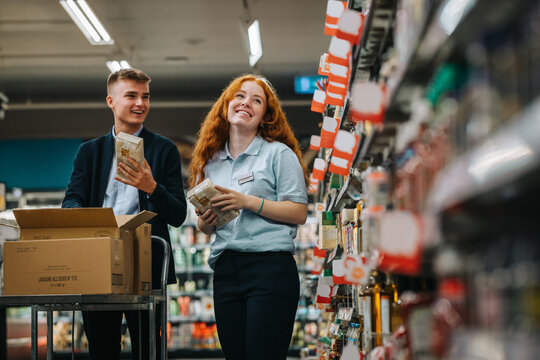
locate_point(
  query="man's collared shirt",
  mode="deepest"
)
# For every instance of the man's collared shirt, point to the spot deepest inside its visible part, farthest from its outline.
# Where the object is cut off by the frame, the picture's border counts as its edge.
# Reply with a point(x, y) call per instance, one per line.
point(268, 170)
point(122, 198)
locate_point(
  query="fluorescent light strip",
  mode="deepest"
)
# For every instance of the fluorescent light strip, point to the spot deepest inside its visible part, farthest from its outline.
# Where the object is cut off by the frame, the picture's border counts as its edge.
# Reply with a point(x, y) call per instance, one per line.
point(255, 46)
point(94, 20)
point(80, 20)
point(87, 22)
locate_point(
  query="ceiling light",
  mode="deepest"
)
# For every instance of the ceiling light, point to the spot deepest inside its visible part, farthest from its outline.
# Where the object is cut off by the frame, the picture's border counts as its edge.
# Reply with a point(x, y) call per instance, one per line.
point(87, 22)
point(115, 65)
point(453, 11)
point(255, 46)
point(124, 64)
point(3, 107)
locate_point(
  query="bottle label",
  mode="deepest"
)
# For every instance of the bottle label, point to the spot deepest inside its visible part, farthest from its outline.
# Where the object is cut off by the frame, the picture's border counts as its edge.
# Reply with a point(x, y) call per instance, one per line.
point(385, 315)
point(366, 334)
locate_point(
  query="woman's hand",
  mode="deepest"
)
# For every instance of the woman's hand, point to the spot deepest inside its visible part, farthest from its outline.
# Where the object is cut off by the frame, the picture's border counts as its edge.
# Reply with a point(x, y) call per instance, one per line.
point(206, 221)
point(209, 216)
point(283, 211)
point(231, 200)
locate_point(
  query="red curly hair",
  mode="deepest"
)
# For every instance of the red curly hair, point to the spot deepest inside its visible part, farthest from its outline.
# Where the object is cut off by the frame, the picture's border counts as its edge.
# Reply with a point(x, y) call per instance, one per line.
point(214, 130)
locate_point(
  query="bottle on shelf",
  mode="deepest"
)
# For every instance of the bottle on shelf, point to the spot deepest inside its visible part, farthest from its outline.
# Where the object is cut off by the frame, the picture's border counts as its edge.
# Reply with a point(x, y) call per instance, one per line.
point(376, 309)
point(365, 310)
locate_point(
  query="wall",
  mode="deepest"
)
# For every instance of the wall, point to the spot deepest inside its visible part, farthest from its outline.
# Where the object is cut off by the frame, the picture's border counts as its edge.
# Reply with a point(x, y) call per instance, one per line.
point(87, 123)
point(37, 164)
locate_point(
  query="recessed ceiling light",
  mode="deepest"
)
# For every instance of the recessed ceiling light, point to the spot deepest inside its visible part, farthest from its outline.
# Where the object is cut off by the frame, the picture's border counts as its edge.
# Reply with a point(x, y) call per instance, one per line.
point(116, 65)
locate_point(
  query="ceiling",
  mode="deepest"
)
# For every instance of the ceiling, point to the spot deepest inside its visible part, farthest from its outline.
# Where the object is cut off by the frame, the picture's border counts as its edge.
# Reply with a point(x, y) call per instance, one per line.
point(55, 79)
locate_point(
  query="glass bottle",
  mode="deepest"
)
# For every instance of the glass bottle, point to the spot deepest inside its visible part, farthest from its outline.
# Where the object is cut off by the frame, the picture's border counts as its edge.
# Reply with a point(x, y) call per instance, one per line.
point(366, 300)
point(376, 307)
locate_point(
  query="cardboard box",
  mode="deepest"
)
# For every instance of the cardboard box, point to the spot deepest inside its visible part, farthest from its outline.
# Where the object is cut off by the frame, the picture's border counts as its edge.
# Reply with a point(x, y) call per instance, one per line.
point(71, 266)
point(140, 251)
point(142, 281)
point(48, 224)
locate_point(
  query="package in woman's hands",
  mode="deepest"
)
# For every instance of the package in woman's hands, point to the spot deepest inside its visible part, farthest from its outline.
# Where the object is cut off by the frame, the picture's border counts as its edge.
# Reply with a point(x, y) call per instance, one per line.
point(200, 197)
point(129, 146)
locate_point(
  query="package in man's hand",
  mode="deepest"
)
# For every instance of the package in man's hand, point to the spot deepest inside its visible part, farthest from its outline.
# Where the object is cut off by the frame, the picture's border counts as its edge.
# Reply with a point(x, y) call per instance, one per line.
point(200, 197)
point(129, 146)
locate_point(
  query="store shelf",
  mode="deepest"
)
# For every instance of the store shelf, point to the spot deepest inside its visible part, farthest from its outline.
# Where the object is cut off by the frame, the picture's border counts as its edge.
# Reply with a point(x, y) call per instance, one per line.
point(196, 293)
point(500, 164)
point(415, 70)
point(172, 354)
point(80, 355)
point(349, 193)
point(377, 30)
point(483, 207)
point(307, 318)
point(443, 35)
point(294, 352)
point(332, 196)
point(196, 247)
point(195, 270)
point(196, 354)
point(484, 345)
point(190, 319)
point(374, 150)
point(374, 41)
point(200, 246)
point(303, 246)
point(302, 269)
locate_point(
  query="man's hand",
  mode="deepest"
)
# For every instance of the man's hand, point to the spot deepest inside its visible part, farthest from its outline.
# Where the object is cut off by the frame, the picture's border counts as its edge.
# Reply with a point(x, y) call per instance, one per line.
point(141, 178)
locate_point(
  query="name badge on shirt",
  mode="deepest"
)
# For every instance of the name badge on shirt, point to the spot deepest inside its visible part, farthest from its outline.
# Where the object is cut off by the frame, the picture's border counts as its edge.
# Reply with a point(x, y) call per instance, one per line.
point(245, 178)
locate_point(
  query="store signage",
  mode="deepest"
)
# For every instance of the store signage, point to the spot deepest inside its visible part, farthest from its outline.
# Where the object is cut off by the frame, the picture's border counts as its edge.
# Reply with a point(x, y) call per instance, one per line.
point(307, 84)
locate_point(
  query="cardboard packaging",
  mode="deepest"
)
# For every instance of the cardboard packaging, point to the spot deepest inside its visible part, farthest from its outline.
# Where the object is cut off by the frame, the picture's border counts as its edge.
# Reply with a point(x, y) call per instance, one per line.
point(200, 197)
point(129, 146)
point(142, 260)
point(140, 236)
point(328, 234)
point(72, 266)
point(80, 223)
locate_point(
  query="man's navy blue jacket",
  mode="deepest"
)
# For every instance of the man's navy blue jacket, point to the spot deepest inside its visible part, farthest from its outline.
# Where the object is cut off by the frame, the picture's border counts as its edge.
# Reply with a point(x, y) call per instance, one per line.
point(90, 175)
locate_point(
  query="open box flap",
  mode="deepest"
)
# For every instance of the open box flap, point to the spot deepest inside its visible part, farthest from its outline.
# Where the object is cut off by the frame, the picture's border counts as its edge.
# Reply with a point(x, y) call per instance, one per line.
point(65, 218)
point(131, 222)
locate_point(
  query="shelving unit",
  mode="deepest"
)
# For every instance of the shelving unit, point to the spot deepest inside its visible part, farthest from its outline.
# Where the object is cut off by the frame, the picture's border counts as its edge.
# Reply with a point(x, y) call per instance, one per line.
point(191, 312)
point(455, 164)
point(516, 151)
point(306, 323)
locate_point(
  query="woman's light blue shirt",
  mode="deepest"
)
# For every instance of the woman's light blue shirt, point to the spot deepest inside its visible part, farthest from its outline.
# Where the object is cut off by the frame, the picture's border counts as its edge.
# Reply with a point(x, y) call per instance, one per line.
point(268, 170)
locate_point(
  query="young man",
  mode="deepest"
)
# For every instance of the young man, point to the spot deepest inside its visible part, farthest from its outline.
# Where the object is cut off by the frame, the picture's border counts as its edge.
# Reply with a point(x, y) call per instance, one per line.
point(156, 186)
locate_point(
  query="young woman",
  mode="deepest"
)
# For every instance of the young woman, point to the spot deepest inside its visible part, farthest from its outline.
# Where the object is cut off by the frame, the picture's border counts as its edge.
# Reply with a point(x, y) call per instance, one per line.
point(247, 148)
